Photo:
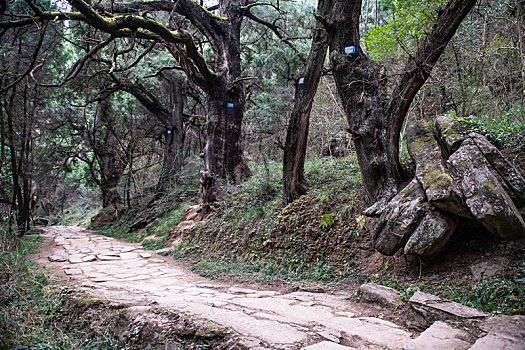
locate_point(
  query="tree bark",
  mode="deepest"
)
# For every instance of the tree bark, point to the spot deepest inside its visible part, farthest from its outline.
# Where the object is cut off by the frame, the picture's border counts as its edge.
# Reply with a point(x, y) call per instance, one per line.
point(224, 153)
point(294, 183)
point(173, 136)
point(358, 83)
point(112, 162)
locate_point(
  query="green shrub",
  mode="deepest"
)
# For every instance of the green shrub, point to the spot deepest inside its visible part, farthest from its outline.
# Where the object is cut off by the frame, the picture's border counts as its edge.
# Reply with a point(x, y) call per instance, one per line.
point(507, 130)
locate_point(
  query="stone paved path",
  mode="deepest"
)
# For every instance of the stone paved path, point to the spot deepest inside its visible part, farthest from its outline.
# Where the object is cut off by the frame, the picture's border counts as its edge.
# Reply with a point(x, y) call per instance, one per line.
point(264, 319)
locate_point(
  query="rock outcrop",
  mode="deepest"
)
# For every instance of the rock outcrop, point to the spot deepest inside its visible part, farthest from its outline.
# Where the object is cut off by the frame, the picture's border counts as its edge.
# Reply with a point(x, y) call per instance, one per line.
point(384, 296)
point(459, 175)
point(426, 308)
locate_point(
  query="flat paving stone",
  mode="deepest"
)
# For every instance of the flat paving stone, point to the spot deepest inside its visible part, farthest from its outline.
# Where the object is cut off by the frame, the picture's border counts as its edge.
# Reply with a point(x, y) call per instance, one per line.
point(73, 272)
point(57, 258)
point(327, 345)
point(107, 257)
point(75, 259)
point(440, 336)
point(128, 255)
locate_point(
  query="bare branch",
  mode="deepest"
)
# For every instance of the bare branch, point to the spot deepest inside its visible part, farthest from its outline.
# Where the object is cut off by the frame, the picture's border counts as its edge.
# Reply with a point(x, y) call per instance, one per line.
point(272, 26)
point(139, 58)
point(31, 66)
point(77, 67)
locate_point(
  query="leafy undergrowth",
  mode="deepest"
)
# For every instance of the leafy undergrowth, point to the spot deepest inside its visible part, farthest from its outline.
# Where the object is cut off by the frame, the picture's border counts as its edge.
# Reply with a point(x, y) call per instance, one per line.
point(505, 131)
point(251, 235)
point(30, 303)
point(134, 224)
point(501, 294)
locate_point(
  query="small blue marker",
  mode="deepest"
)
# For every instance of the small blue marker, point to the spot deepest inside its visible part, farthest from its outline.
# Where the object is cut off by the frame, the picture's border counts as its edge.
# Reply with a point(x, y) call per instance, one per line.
point(349, 50)
point(301, 81)
point(168, 132)
point(229, 105)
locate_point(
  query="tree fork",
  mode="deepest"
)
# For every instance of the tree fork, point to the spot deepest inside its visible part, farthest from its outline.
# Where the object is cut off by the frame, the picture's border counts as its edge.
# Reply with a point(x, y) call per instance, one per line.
point(375, 126)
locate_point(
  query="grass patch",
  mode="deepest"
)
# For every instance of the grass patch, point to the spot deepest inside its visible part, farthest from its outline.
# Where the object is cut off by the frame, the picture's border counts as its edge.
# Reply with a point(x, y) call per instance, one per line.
point(168, 221)
point(266, 271)
point(153, 244)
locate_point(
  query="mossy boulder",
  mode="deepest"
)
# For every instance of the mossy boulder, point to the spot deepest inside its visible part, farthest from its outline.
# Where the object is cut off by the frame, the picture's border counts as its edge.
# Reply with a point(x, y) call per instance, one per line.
point(400, 217)
point(452, 133)
point(485, 195)
point(464, 176)
point(510, 177)
point(431, 171)
point(431, 234)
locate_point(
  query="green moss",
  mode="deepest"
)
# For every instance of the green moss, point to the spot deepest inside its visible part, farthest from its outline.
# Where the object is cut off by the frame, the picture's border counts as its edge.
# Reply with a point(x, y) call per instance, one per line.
point(491, 187)
point(436, 179)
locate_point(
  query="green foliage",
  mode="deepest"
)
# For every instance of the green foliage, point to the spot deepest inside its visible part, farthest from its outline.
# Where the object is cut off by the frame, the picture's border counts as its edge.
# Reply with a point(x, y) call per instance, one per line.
point(409, 20)
point(153, 244)
point(265, 271)
point(326, 221)
point(168, 221)
point(507, 130)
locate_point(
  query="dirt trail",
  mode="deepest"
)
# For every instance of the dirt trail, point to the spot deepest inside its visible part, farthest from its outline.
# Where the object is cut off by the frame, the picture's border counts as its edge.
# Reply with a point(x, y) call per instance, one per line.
point(261, 319)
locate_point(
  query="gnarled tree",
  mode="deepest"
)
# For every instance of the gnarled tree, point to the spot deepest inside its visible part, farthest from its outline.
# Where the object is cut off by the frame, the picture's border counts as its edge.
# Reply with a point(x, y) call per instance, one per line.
point(374, 119)
point(222, 80)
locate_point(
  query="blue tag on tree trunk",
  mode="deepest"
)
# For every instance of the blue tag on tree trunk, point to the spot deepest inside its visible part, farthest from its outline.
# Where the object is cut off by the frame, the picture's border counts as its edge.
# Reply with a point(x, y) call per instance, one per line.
point(301, 81)
point(168, 132)
point(229, 105)
point(349, 50)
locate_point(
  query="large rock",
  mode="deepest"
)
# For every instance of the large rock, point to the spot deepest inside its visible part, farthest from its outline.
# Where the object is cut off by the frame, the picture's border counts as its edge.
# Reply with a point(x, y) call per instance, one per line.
point(485, 196)
point(452, 133)
point(431, 234)
point(377, 294)
point(440, 336)
point(431, 171)
point(400, 217)
point(426, 308)
point(503, 333)
point(512, 180)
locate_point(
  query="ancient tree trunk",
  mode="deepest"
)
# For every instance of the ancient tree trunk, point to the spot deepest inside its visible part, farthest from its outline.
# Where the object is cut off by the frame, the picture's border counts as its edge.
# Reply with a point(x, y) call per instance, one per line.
point(20, 149)
point(374, 125)
point(111, 158)
point(297, 132)
point(225, 95)
point(173, 137)
point(171, 116)
point(358, 84)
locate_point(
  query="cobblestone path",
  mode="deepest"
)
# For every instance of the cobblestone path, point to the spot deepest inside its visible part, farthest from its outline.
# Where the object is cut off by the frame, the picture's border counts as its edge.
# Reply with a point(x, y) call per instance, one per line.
point(263, 319)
